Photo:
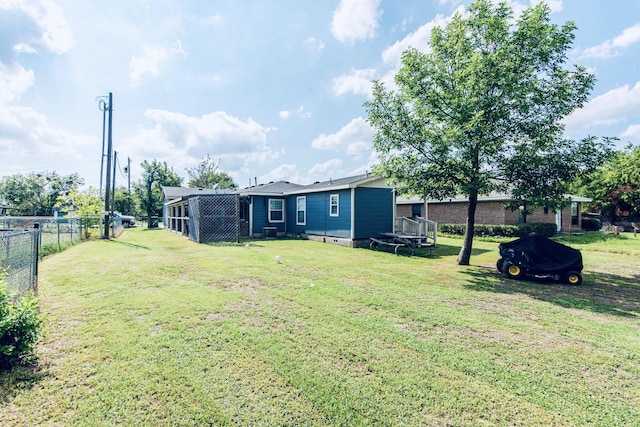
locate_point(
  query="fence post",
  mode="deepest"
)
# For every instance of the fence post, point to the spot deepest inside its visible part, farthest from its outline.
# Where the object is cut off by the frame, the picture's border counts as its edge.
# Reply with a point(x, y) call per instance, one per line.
point(36, 255)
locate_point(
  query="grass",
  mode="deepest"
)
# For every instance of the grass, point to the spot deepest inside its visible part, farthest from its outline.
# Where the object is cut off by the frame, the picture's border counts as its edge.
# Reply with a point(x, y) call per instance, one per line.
point(153, 329)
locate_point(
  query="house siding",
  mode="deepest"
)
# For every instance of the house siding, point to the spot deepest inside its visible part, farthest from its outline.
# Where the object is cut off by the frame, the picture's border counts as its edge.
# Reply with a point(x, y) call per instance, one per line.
point(374, 212)
point(319, 222)
point(261, 214)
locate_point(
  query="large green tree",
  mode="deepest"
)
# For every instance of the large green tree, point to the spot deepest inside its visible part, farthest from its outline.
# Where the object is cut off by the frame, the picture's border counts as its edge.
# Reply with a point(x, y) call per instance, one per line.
point(206, 175)
point(85, 204)
point(615, 187)
point(36, 193)
point(155, 175)
point(482, 111)
point(124, 201)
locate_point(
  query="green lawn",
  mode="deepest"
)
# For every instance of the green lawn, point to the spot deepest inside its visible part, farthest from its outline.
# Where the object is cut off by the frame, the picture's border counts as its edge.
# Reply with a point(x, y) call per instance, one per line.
point(153, 329)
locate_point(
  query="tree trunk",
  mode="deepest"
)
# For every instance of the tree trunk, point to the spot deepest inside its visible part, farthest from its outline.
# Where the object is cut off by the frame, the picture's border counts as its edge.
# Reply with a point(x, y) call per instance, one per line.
point(467, 243)
point(149, 202)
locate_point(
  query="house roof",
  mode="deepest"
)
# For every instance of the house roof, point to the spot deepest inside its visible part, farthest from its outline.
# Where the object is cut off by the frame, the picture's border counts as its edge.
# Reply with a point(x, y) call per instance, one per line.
point(341, 184)
point(492, 197)
point(277, 188)
point(178, 192)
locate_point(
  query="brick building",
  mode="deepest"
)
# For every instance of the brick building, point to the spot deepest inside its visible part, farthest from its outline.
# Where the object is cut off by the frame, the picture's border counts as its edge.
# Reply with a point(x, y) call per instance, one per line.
point(490, 210)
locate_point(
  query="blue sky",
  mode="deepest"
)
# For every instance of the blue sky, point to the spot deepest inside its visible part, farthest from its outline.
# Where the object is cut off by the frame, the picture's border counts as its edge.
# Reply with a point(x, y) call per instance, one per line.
point(272, 90)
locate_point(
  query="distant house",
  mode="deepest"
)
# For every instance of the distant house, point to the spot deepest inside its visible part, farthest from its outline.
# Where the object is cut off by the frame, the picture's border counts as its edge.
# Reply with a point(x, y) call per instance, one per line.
point(490, 210)
point(344, 211)
point(3, 210)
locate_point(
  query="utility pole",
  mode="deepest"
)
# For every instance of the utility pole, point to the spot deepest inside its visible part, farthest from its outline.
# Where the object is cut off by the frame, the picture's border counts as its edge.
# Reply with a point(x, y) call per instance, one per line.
point(129, 174)
point(102, 105)
point(107, 196)
point(113, 188)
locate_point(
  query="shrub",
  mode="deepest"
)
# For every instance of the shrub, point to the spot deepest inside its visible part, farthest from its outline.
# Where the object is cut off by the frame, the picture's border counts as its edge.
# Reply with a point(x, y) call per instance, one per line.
point(455, 229)
point(591, 224)
point(20, 327)
point(484, 230)
point(547, 229)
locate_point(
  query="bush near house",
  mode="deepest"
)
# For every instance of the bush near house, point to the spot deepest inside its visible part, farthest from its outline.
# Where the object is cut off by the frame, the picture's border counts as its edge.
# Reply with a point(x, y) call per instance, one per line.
point(484, 230)
point(591, 224)
point(20, 327)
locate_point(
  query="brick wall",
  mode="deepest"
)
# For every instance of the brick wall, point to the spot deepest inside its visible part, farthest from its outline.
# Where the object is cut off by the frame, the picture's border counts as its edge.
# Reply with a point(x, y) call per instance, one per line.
point(447, 213)
point(487, 212)
point(404, 210)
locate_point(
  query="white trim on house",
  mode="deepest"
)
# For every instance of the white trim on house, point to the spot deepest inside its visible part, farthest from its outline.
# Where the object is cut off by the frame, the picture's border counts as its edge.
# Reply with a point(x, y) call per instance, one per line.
point(270, 210)
point(336, 204)
point(353, 212)
point(251, 216)
point(302, 199)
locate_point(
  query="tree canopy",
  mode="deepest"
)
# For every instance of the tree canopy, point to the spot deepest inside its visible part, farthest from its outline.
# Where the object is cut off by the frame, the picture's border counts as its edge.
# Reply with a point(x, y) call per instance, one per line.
point(206, 175)
point(36, 193)
point(615, 187)
point(155, 175)
point(482, 111)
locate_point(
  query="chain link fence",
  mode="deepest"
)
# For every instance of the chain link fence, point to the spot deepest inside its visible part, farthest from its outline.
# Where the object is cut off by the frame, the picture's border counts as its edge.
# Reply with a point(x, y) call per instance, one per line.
point(22, 238)
point(54, 230)
point(214, 218)
point(19, 260)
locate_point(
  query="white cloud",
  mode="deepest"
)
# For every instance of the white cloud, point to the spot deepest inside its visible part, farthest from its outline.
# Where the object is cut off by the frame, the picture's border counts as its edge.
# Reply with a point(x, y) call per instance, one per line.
point(146, 64)
point(285, 114)
point(49, 17)
point(556, 6)
point(419, 39)
point(354, 139)
point(355, 20)
point(611, 48)
point(284, 172)
point(178, 49)
point(612, 107)
point(14, 81)
point(25, 133)
point(24, 48)
point(518, 7)
point(182, 141)
point(632, 132)
point(357, 82)
point(330, 168)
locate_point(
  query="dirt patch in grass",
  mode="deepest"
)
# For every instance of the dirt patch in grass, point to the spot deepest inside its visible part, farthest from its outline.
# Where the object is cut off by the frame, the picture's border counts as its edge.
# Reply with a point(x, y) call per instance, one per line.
point(248, 286)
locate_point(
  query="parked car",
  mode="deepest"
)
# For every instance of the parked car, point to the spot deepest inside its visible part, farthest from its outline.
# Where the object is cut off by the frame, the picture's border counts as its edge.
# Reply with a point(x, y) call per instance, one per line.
point(127, 220)
point(537, 257)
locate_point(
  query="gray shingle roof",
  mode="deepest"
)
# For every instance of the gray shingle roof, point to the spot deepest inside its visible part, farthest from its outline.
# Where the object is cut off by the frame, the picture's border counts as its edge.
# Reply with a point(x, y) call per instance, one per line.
point(278, 187)
point(340, 183)
point(275, 188)
point(178, 192)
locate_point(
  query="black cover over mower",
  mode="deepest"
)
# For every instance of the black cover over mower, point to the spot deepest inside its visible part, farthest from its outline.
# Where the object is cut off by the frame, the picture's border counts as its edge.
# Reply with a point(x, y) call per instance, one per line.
point(538, 257)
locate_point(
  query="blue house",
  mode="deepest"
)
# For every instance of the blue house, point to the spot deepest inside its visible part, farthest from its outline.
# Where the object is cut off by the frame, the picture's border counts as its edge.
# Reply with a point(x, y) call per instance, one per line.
point(344, 211)
point(352, 209)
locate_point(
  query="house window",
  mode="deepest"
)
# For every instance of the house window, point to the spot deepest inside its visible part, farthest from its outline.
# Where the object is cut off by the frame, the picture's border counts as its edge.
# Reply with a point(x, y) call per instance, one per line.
point(301, 210)
point(334, 202)
point(276, 210)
